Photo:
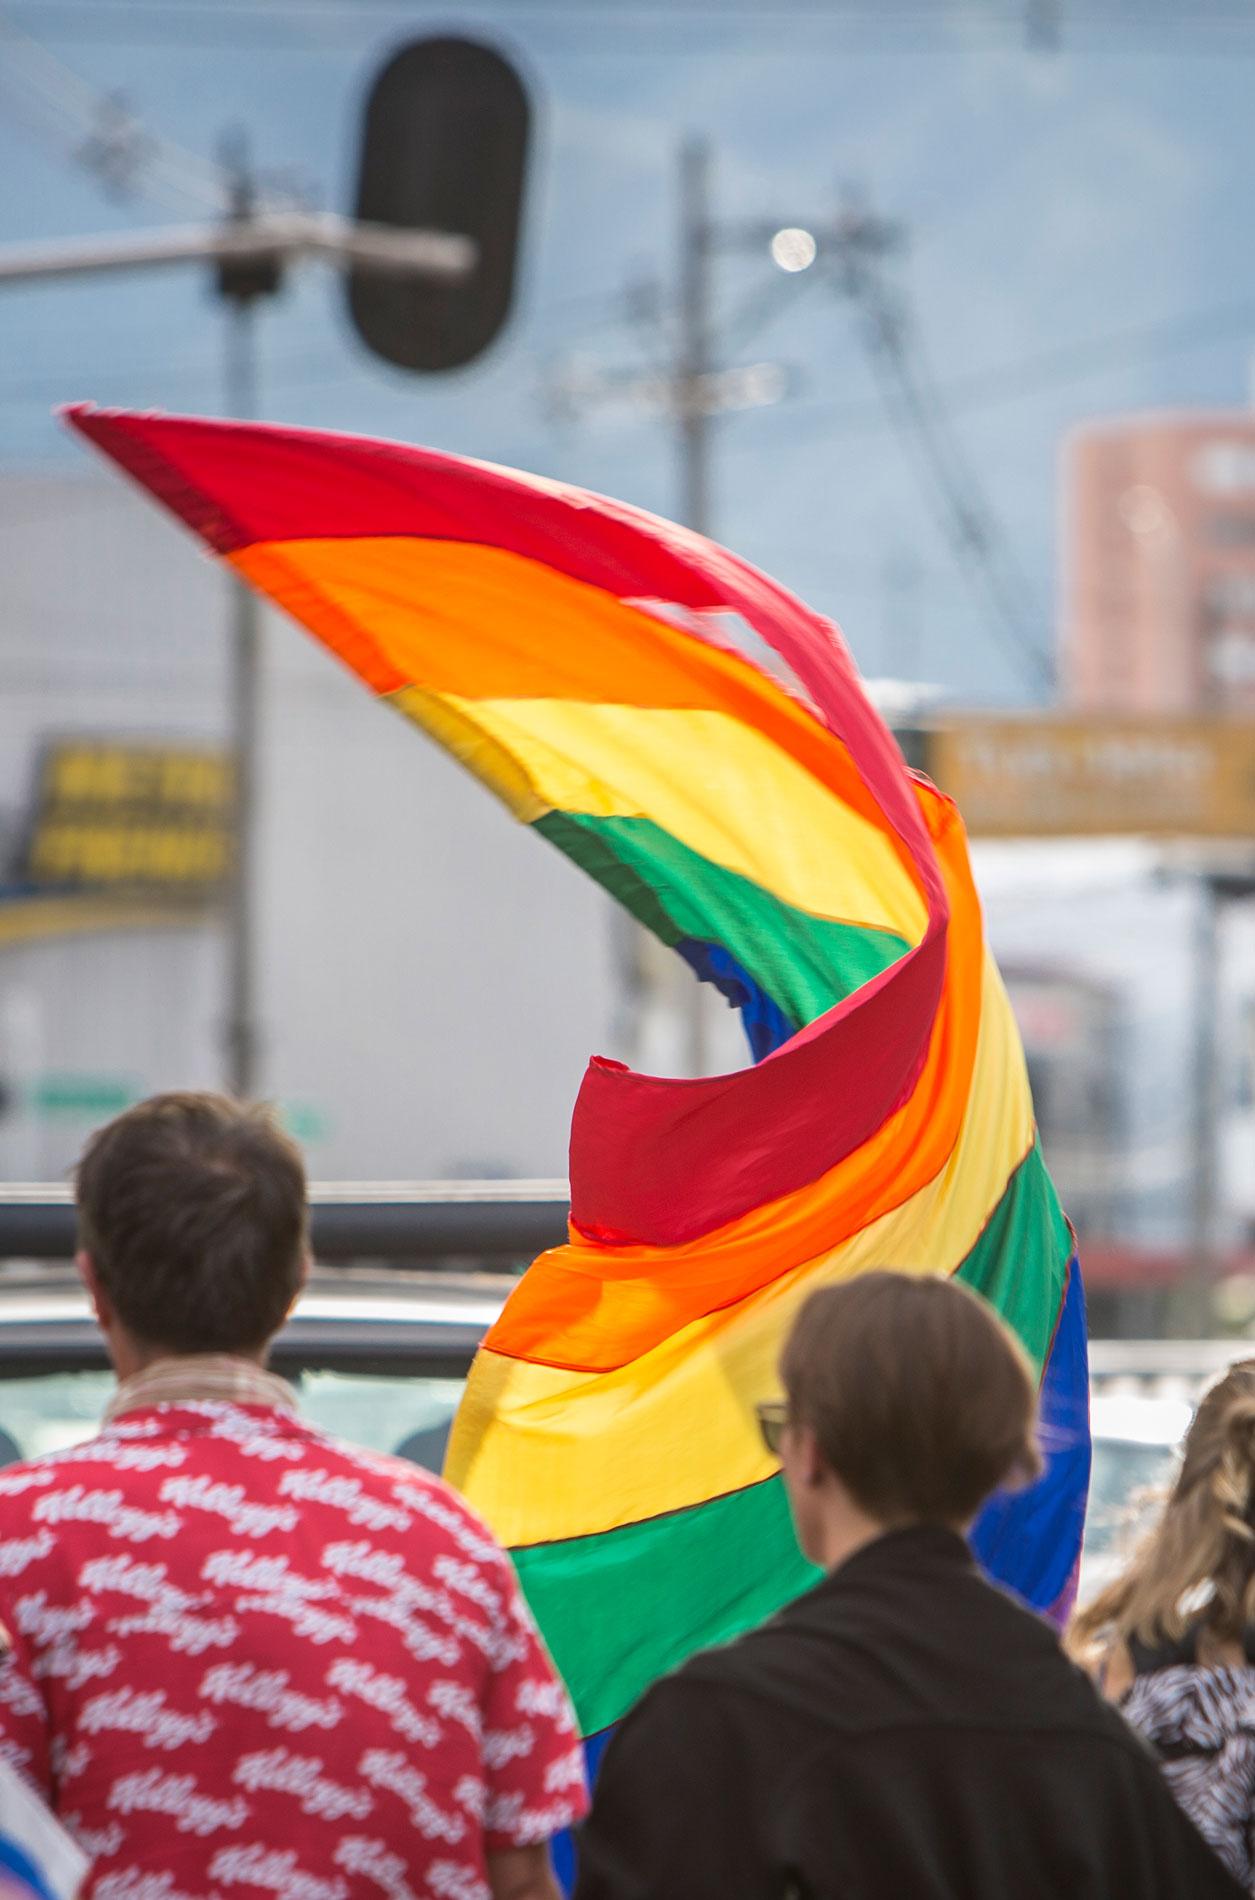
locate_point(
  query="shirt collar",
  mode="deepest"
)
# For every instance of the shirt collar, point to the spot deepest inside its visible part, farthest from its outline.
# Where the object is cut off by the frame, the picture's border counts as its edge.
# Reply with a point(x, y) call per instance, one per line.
point(911, 1545)
point(197, 1377)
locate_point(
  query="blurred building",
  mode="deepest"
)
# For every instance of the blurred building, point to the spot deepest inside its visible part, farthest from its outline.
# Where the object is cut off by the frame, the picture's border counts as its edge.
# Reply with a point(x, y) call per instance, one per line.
point(432, 979)
point(1070, 1026)
point(1159, 581)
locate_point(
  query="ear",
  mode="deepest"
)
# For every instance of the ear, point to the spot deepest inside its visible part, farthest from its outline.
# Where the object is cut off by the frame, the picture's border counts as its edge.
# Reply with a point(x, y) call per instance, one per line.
point(307, 1267)
point(86, 1268)
point(811, 1466)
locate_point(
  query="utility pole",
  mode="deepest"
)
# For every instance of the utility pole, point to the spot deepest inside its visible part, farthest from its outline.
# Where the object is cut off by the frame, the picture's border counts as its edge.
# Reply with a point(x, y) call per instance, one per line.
point(693, 352)
point(240, 286)
point(690, 390)
point(692, 408)
point(848, 251)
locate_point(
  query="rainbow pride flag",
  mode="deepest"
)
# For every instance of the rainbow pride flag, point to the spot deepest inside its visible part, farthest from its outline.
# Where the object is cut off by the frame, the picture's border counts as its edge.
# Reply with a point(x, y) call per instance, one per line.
point(587, 662)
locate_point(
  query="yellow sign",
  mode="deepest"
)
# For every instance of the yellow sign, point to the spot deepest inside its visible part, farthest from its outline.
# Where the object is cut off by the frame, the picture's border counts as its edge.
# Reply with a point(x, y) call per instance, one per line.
point(117, 817)
point(1049, 777)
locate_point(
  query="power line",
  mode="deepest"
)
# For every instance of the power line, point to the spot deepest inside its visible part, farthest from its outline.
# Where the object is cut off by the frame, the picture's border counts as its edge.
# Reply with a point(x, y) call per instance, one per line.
point(1015, 381)
point(1048, 369)
point(1019, 14)
point(100, 132)
point(890, 25)
point(691, 391)
point(589, 310)
point(1011, 382)
point(918, 412)
point(965, 517)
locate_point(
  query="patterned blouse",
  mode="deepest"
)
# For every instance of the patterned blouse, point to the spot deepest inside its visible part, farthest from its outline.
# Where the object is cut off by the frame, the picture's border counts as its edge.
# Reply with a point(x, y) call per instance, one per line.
point(248, 1660)
point(1201, 1724)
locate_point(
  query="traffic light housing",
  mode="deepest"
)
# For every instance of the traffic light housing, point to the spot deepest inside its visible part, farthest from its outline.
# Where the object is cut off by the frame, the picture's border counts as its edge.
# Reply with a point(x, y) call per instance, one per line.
point(444, 148)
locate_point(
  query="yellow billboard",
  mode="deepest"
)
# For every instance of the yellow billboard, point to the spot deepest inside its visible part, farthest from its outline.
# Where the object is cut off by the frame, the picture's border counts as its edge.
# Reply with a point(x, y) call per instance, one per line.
point(122, 817)
point(1049, 777)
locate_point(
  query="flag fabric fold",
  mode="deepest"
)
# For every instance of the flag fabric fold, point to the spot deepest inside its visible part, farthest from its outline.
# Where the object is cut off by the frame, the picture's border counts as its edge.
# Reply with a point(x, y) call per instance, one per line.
point(592, 666)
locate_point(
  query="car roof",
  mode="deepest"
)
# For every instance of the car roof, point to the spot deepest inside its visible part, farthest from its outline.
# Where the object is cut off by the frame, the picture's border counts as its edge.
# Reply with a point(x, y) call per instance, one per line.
point(1134, 1419)
point(1144, 1391)
point(1141, 1359)
point(414, 1319)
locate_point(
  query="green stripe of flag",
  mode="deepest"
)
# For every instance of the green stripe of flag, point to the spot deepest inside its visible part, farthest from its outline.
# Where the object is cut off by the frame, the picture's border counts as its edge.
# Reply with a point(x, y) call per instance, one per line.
point(805, 964)
point(1020, 1262)
point(684, 1581)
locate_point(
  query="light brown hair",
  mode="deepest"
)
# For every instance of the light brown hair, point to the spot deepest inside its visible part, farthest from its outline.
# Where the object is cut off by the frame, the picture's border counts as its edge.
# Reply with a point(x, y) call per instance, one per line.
point(1197, 1562)
point(922, 1402)
point(192, 1207)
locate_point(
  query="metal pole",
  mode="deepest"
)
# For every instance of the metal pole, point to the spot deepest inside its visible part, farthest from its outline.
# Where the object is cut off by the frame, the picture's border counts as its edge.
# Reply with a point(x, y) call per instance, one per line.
point(437, 256)
point(244, 681)
point(243, 693)
point(1206, 1105)
point(250, 249)
point(694, 364)
point(388, 1223)
point(693, 369)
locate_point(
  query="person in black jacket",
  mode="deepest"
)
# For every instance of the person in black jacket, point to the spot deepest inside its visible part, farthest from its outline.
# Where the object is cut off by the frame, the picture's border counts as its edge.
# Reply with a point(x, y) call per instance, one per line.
point(905, 1730)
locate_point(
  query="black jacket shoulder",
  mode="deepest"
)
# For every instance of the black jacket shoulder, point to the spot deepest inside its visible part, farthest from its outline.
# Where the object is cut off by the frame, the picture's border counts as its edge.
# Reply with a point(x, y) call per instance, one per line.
point(904, 1730)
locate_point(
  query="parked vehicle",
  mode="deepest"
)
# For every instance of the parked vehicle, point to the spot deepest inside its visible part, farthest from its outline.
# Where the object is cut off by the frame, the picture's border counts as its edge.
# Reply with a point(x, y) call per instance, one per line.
point(380, 1359)
point(1143, 1394)
point(381, 1356)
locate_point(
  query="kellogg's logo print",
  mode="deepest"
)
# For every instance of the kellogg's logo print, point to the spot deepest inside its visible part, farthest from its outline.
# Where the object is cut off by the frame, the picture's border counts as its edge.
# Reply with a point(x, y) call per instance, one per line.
point(309, 1666)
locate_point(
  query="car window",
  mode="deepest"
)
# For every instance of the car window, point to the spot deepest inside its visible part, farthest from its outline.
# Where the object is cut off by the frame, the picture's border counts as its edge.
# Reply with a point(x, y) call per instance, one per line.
point(1128, 1476)
point(408, 1415)
point(46, 1411)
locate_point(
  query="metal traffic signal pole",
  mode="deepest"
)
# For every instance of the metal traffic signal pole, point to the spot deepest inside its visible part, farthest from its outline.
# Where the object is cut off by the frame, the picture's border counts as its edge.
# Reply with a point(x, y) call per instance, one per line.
point(430, 262)
point(240, 1032)
point(241, 286)
point(280, 236)
point(250, 250)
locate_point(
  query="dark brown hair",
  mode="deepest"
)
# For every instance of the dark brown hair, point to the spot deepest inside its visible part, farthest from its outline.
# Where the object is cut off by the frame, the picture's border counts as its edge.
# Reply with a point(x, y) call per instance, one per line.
point(921, 1400)
point(192, 1208)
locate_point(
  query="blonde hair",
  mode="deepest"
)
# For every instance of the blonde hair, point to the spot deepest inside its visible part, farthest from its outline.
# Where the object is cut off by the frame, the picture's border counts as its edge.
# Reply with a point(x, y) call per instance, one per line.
point(1197, 1563)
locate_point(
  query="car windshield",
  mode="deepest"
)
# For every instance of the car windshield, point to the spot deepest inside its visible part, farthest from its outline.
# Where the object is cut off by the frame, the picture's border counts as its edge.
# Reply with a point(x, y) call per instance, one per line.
point(408, 1415)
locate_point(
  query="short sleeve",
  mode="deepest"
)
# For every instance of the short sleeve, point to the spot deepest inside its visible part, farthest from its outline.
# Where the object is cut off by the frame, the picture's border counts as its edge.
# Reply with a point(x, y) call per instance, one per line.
point(533, 1759)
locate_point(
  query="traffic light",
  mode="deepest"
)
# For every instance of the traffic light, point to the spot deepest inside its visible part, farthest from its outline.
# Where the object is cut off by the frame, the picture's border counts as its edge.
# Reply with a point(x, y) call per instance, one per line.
point(444, 148)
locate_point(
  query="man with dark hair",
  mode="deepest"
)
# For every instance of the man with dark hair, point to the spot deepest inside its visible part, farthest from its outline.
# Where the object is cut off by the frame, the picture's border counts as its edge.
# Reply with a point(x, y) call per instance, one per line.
point(192, 1226)
point(904, 1731)
point(244, 1654)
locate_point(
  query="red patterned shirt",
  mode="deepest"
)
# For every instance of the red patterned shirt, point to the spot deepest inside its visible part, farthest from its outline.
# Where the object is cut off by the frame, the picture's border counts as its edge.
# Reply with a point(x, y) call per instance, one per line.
point(250, 1660)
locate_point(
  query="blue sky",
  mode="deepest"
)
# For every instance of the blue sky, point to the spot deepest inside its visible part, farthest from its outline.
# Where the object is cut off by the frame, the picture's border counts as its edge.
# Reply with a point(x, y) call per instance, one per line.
point(1062, 206)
